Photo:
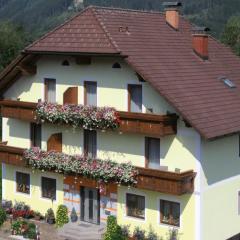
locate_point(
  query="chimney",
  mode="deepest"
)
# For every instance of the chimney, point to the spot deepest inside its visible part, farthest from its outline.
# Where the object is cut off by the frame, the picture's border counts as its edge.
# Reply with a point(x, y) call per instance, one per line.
point(200, 42)
point(172, 13)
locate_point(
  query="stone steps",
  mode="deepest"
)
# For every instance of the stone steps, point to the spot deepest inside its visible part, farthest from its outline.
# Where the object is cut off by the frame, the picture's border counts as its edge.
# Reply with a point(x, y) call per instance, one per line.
point(82, 231)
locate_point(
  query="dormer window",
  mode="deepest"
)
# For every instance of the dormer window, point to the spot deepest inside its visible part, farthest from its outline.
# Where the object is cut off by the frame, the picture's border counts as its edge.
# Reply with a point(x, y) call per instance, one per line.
point(116, 65)
point(65, 63)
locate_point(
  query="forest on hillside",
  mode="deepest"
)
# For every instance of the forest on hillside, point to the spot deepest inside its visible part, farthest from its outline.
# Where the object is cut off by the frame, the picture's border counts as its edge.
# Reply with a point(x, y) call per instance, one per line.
point(26, 20)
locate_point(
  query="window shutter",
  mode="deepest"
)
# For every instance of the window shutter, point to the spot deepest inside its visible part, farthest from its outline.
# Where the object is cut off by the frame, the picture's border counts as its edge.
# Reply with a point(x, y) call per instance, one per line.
point(54, 143)
point(70, 96)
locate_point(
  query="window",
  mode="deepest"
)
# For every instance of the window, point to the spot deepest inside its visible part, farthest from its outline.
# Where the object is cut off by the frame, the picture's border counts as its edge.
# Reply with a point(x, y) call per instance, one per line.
point(135, 206)
point(65, 63)
point(90, 143)
point(36, 135)
point(90, 93)
point(49, 188)
point(23, 182)
point(134, 98)
point(50, 90)
point(116, 65)
point(152, 152)
point(170, 213)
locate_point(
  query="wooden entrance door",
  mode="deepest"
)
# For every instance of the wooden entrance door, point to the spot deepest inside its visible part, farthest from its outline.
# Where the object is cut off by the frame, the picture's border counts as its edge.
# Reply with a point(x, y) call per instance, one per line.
point(90, 205)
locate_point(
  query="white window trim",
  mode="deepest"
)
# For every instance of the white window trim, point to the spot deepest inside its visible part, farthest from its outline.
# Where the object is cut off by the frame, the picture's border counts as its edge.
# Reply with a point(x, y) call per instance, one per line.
point(135, 192)
point(40, 184)
point(15, 183)
point(170, 199)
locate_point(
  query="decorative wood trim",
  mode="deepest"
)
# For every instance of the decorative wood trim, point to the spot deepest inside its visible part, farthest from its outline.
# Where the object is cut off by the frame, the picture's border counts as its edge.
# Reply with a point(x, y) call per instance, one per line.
point(83, 60)
point(70, 96)
point(27, 70)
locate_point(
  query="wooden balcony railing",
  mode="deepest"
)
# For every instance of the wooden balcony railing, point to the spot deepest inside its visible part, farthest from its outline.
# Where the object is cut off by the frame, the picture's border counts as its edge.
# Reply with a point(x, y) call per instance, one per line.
point(148, 179)
point(151, 124)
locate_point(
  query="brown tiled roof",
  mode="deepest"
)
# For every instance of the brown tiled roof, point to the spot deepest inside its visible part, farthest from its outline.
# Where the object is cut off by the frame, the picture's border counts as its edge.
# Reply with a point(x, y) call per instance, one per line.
point(162, 56)
point(83, 33)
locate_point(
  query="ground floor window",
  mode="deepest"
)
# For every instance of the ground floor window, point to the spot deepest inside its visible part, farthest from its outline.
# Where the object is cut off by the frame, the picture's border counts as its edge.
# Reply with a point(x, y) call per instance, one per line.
point(23, 182)
point(49, 188)
point(170, 213)
point(135, 205)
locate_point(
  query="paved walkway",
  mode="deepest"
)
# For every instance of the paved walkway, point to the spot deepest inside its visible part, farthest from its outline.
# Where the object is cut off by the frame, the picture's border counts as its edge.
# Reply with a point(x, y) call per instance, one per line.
point(82, 231)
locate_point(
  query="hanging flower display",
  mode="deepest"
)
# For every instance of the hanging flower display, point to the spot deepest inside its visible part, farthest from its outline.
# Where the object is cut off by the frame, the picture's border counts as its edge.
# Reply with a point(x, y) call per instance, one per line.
point(87, 117)
point(100, 170)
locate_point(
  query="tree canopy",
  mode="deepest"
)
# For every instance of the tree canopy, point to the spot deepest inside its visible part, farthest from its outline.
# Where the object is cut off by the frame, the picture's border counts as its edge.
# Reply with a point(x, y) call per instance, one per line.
point(231, 34)
point(12, 40)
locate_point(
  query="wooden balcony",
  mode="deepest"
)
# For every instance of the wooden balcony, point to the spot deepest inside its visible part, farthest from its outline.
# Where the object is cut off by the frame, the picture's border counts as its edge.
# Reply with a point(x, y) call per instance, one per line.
point(149, 179)
point(143, 123)
point(166, 182)
point(11, 155)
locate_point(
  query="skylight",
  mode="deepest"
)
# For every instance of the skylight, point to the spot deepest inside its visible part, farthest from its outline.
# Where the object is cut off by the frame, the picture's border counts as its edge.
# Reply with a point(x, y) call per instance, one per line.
point(228, 82)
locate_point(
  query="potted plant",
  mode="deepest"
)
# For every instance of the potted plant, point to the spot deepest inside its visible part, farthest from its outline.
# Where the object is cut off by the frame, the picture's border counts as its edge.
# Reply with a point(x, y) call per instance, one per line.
point(37, 215)
point(73, 215)
point(50, 217)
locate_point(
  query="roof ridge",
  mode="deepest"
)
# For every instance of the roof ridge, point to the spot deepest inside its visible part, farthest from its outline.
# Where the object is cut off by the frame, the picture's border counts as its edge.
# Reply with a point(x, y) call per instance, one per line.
point(126, 9)
point(56, 28)
point(113, 43)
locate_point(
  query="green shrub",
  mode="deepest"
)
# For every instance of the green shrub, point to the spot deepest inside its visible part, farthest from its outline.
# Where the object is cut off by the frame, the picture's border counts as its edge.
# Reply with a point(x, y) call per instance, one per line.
point(31, 233)
point(16, 228)
point(114, 231)
point(151, 234)
point(3, 216)
point(62, 216)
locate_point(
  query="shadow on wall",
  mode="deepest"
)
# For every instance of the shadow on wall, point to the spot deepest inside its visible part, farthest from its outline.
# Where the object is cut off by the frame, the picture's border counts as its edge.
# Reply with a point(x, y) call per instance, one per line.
point(21, 130)
point(220, 159)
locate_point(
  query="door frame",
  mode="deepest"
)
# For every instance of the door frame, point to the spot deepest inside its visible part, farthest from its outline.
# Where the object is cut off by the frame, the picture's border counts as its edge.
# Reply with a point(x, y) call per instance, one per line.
point(82, 201)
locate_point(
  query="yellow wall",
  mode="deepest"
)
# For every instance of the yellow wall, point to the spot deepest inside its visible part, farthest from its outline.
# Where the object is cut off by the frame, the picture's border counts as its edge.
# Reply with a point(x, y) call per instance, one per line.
point(34, 200)
point(152, 213)
point(177, 151)
point(112, 83)
point(220, 186)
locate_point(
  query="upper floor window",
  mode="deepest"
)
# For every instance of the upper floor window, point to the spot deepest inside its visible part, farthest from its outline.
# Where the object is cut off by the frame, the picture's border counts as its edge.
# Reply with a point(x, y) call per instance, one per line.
point(135, 205)
point(90, 93)
point(152, 152)
point(170, 213)
point(134, 98)
point(50, 90)
point(35, 135)
point(90, 143)
point(23, 182)
point(49, 188)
